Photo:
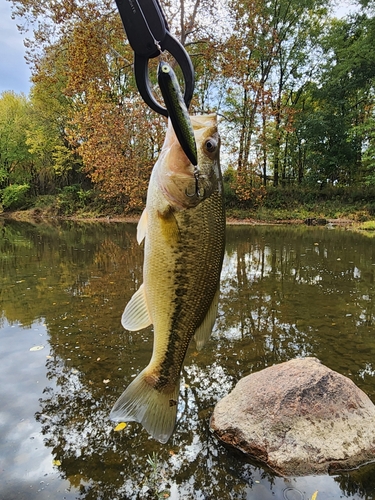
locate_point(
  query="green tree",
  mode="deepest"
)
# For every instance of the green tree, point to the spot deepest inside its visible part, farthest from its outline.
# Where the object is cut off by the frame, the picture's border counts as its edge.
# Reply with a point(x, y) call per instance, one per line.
point(266, 59)
point(15, 159)
point(56, 161)
point(337, 114)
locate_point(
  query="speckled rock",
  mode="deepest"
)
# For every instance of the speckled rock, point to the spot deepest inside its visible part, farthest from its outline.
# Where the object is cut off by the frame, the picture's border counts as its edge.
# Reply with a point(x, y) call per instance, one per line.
point(298, 417)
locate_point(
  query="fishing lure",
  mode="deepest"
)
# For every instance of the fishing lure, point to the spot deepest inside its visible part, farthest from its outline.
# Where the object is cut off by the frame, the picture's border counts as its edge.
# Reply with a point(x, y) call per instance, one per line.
point(177, 111)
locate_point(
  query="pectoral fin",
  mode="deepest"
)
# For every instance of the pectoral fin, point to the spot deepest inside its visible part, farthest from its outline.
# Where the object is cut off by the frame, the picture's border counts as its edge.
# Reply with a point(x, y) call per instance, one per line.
point(136, 315)
point(203, 333)
point(142, 227)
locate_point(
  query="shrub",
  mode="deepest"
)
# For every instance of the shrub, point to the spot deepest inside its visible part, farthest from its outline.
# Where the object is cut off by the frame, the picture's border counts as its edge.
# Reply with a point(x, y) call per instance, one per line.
point(73, 198)
point(368, 225)
point(15, 196)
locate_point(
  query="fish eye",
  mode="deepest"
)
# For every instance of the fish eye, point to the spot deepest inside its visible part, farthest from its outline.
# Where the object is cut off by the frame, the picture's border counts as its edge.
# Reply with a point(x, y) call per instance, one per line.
point(211, 145)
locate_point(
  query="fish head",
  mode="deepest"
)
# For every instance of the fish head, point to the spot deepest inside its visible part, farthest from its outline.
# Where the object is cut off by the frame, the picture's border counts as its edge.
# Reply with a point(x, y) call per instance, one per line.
point(183, 184)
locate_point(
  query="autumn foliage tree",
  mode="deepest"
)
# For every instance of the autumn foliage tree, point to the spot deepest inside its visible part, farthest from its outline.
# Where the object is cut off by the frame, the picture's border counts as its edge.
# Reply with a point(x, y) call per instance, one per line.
point(105, 120)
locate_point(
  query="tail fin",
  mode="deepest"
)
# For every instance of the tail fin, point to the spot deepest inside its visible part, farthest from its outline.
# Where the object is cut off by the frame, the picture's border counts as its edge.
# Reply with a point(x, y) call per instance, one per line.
point(155, 410)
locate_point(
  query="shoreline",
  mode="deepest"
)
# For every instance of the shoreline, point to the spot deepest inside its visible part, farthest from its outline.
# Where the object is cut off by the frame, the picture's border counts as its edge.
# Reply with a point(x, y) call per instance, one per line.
point(36, 216)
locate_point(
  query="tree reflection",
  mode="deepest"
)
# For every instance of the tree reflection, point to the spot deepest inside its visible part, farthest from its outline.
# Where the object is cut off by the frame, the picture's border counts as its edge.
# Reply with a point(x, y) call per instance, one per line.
point(286, 292)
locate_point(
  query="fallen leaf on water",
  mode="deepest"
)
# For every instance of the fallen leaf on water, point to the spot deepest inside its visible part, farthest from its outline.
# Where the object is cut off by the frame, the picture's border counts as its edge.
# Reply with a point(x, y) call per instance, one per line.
point(37, 348)
point(106, 381)
point(315, 495)
point(56, 462)
point(120, 426)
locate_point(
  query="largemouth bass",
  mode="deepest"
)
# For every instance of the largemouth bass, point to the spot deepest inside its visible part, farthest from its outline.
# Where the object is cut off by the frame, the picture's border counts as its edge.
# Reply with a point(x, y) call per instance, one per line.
point(183, 228)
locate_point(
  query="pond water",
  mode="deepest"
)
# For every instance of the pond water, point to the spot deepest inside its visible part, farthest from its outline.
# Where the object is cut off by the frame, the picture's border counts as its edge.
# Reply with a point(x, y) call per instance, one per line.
point(286, 292)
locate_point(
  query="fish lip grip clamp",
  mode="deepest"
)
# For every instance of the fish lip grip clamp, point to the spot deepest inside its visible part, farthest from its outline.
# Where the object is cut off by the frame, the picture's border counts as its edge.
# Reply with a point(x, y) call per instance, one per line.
point(148, 35)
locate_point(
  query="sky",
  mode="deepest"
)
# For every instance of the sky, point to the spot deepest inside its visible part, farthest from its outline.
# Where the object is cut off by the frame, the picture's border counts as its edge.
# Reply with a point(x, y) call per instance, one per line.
point(15, 73)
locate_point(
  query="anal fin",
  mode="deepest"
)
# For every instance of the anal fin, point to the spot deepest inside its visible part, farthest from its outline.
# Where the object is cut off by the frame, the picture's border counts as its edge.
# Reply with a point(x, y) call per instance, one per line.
point(203, 332)
point(136, 314)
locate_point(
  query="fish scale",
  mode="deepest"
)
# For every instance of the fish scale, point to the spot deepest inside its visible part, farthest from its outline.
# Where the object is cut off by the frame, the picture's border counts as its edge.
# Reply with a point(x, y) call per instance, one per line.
point(191, 264)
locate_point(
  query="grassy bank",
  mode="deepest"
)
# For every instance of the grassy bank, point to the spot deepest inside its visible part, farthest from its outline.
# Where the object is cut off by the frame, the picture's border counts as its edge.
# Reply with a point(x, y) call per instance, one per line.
point(281, 205)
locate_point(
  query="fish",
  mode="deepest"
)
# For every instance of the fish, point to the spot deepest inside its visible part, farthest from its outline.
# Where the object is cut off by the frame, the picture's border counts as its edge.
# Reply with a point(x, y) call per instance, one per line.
point(177, 110)
point(183, 230)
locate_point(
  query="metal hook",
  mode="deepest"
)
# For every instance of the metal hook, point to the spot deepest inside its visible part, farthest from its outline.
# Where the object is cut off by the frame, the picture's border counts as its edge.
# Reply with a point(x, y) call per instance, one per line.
point(192, 194)
point(198, 191)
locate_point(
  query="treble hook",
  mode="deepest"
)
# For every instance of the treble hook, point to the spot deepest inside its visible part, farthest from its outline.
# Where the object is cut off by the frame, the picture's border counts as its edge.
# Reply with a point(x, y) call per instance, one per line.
point(198, 192)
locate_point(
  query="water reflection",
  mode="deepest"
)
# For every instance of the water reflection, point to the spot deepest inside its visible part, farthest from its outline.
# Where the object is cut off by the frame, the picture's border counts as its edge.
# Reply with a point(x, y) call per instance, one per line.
point(286, 292)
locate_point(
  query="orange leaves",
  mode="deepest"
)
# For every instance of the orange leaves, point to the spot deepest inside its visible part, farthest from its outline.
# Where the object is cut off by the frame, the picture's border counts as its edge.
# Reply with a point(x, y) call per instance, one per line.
point(246, 184)
point(118, 145)
point(111, 129)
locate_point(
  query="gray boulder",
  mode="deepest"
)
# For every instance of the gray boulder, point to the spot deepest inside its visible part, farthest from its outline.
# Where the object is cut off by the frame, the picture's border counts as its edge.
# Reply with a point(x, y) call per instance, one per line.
point(299, 418)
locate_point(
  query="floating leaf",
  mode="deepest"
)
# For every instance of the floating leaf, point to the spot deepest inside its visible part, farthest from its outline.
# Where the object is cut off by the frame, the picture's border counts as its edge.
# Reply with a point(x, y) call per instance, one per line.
point(56, 462)
point(37, 348)
point(315, 495)
point(120, 426)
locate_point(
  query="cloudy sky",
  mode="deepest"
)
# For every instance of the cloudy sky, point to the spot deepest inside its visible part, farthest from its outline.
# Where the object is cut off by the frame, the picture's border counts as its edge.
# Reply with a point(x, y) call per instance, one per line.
point(14, 72)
